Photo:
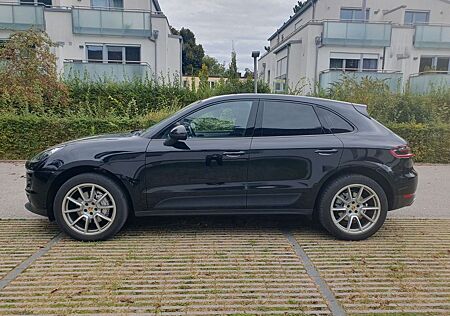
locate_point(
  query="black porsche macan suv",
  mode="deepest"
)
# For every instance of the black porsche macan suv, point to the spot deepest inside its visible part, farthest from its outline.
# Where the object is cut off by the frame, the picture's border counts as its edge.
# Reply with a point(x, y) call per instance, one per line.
point(236, 154)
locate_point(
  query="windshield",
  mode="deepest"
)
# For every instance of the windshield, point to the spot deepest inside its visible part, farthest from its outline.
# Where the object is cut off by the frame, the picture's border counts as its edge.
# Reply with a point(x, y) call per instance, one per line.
point(154, 128)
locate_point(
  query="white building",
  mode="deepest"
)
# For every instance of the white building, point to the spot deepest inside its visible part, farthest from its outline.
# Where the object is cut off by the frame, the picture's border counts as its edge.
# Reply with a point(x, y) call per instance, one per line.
point(402, 41)
point(120, 39)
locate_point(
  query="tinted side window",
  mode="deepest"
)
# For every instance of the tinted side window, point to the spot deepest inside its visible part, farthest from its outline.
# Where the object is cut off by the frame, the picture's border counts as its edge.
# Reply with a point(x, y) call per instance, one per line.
point(228, 119)
point(287, 119)
point(335, 123)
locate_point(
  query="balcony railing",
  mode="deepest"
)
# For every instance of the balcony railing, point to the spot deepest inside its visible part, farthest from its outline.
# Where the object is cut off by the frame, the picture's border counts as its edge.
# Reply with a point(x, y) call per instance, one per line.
point(426, 81)
point(392, 78)
point(111, 22)
point(95, 71)
point(432, 36)
point(356, 34)
point(21, 17)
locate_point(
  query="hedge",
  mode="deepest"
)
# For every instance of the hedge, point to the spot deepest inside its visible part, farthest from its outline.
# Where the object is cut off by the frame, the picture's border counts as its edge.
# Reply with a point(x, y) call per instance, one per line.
point(21, 137)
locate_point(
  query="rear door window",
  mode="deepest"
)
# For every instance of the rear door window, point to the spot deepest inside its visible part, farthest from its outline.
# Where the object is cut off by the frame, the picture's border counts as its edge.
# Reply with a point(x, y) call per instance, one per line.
point(289, 119)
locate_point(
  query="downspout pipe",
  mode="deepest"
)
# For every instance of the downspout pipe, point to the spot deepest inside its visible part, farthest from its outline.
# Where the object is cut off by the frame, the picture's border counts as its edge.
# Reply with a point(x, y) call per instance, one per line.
point(286, 88)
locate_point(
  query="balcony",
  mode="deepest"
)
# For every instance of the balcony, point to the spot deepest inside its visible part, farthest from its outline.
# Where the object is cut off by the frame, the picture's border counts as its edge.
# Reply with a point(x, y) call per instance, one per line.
point(106, 71)
point(432, 36)
point(21, 17)
point(356, 34)
point(426, 81)
point(111, 22)
point(392, 79)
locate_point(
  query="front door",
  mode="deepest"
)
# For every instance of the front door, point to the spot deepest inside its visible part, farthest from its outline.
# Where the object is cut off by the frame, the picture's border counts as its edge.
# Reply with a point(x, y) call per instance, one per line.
point(289, 155)
point(208, 171)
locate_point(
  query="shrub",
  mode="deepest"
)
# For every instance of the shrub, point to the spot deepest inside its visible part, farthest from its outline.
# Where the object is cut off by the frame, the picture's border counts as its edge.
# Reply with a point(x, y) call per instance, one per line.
point(28, 78)
point(430, 143)
point(392, 107)
point(24, 136)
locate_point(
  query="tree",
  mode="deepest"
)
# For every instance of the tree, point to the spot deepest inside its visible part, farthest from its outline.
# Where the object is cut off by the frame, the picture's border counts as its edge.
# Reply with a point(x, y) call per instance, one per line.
point(203, 87)
point(299, 6)
point(232, 72)
point(28, 77)
point(193, 53)
point(215, 68)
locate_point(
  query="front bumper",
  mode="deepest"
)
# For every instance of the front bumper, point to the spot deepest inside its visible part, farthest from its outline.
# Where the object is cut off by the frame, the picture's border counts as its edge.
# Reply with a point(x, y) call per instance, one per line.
point(34, 210)
point(37, 188)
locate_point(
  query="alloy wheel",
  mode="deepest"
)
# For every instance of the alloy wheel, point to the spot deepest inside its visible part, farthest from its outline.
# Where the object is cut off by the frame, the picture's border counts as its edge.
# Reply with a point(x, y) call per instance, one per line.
point(89, 209)
point(355, 209)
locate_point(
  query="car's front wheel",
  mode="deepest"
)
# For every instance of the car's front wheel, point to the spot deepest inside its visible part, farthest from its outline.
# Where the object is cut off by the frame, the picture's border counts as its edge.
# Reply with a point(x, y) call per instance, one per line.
point(90, 207)
point(353, 207)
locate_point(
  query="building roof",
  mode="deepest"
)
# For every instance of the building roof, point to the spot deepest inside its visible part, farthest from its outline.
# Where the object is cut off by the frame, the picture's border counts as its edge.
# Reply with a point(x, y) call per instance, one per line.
point(307, 5)
point(157, 6)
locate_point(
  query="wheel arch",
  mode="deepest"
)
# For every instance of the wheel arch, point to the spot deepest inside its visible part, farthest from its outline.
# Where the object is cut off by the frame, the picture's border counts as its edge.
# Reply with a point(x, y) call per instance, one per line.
point(358, 170)
point(72, 172)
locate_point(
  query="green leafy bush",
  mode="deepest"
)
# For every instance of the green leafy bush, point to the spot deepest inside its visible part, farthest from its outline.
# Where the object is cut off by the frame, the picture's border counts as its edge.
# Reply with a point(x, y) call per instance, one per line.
point(22, 137)
point(392, 106)
point(430, 143)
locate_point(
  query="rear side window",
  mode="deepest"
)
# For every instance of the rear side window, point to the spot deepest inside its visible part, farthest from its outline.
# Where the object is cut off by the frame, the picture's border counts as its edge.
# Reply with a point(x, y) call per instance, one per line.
point(289, 119)
point(335, 123)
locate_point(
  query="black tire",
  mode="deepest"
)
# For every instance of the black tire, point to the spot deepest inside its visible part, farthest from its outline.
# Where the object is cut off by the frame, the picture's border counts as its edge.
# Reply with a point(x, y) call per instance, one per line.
point(113, 188)
point(326, 200)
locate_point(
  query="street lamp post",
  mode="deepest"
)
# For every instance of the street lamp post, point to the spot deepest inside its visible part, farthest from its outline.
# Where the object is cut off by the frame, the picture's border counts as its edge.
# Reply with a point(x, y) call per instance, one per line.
point(255, 56)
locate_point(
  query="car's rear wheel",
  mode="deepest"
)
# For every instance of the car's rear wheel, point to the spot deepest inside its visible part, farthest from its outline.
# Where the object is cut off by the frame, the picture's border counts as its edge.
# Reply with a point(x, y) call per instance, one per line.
point(353, 207)
point(90, 207)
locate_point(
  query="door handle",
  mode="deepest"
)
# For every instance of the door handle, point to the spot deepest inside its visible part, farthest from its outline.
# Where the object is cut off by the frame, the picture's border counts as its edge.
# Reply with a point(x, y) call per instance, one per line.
point(234, 154)
point(326, 152)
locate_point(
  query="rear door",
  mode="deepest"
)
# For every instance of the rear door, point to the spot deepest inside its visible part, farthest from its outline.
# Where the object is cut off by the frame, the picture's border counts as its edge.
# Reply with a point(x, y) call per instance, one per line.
point(290, 154)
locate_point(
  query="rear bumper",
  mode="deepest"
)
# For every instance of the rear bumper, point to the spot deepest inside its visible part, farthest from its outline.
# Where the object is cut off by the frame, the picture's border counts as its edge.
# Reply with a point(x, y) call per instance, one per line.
point(405, 190)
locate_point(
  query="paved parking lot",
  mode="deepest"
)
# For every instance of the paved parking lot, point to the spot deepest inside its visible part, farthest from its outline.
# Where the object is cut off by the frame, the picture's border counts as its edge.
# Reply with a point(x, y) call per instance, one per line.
point(228, 266)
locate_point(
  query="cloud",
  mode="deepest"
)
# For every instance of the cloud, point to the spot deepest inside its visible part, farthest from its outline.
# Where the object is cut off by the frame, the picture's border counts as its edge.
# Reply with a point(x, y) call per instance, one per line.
point(217, 23)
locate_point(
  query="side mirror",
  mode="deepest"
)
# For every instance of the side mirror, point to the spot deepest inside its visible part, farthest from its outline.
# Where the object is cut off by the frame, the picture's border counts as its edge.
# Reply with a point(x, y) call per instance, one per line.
point(176, 134)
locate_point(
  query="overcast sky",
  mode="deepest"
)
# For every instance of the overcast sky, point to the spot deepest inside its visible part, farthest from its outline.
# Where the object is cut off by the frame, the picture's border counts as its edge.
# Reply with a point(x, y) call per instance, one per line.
point(216, 23)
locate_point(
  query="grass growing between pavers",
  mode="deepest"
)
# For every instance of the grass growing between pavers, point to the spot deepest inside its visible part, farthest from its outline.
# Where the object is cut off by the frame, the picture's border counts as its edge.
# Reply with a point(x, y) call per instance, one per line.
point(404, 269)
point(169, 270)
point(20, 239)
point(234, 267)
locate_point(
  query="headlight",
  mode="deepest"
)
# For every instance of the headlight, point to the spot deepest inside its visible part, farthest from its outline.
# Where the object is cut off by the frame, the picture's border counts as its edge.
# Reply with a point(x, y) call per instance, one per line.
point(46, 153)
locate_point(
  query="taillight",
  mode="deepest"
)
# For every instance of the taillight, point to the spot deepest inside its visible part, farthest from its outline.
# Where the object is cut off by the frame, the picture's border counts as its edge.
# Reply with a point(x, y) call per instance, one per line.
point(402, 152)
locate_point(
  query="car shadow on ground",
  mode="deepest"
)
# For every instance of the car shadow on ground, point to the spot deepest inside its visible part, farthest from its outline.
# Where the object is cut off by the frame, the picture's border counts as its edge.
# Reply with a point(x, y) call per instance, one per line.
point(224, 222)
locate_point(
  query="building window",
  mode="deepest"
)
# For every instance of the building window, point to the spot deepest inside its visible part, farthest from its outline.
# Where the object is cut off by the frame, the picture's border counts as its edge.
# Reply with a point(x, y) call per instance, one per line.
point(282, 67)
point(353, 14)
point(417, 17)
point(353, 62)
point(430, 63)
point(132, 55)
point(37, 2)
point(268, 76)
point(110, 4)
point(114, 54)
point(95, 53)
point(344, 64)
point(370, 64)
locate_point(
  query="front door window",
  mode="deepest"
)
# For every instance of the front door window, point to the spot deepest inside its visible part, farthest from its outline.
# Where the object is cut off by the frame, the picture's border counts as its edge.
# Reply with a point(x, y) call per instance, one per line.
point(222, 120)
